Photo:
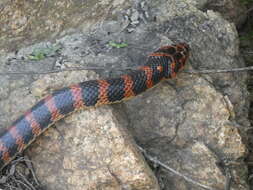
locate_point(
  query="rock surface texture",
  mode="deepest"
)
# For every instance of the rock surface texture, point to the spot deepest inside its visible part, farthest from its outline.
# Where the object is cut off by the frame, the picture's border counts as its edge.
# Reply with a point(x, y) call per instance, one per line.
point(195, 124)
point(233, 10)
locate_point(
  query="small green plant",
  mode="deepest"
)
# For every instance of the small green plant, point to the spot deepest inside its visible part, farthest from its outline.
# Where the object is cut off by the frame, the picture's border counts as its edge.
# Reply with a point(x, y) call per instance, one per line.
point(41, 53)
point(117, 45)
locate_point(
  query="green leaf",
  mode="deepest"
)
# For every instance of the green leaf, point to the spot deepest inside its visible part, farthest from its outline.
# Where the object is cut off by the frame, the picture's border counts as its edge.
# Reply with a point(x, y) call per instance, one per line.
point(37, 57)
point(117, 45)
point(42, 53)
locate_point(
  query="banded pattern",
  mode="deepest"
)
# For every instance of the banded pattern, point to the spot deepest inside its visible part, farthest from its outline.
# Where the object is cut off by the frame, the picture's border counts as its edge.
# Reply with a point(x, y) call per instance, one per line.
point(162, 64)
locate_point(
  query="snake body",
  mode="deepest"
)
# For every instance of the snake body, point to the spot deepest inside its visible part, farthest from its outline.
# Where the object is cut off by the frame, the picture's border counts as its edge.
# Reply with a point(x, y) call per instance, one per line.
point(162, 64)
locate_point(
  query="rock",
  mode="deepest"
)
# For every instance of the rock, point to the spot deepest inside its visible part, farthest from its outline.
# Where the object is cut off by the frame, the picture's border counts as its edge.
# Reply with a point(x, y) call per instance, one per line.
point(189, 130)
point(195, 124)
point(232, 10)
point(19, 19)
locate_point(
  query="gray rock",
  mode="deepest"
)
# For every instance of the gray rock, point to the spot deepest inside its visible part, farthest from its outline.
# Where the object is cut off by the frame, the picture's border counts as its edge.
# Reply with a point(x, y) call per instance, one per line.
point(233, 10)
point(191, 123)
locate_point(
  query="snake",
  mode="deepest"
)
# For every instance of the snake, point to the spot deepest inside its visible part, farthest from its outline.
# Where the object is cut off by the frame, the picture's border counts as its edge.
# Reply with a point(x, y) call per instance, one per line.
point(164, 63)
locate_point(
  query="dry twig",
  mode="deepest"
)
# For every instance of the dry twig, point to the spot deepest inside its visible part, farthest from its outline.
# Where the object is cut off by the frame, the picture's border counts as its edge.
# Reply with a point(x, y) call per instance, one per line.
point(206, 71)
point(60, 70)
point(156, 161)
point(210, 71)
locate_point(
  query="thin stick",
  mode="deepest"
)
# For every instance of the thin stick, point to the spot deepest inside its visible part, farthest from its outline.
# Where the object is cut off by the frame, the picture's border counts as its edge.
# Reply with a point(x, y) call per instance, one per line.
point(211, 71)
point(156, 161)
point(206, 71)
point(60, 70)
point(30, 166)
point(24, 181)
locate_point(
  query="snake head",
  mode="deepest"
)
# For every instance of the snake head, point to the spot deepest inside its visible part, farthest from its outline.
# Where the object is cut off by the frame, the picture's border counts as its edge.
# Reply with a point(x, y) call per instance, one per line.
point(172, 58)
point(181, 55)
